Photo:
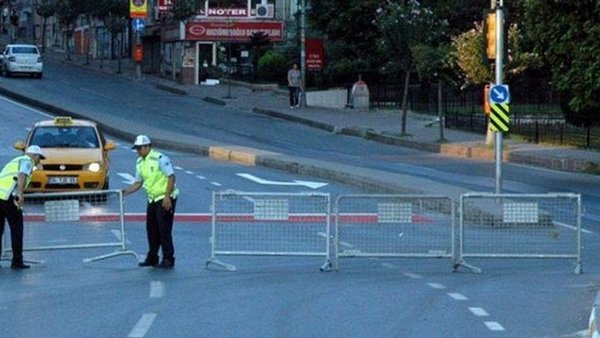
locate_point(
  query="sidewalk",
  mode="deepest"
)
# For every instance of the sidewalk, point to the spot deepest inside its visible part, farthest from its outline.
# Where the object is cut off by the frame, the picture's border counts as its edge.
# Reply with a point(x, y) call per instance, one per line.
point(377, 125)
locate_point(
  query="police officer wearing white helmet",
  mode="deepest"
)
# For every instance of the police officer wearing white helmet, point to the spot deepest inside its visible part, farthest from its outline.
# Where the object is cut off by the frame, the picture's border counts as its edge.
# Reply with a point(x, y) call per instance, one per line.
point(14, 178)
point(154, 172)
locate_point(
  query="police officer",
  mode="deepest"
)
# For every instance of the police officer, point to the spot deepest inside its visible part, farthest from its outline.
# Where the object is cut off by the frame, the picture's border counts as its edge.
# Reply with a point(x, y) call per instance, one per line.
point(14, 178)
point(155, 173)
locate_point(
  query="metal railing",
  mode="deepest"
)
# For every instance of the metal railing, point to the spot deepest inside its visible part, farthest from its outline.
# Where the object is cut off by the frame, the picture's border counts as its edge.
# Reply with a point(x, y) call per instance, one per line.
point(415, 226)
point(269, 224)
point(75, 220)
point(519, 226)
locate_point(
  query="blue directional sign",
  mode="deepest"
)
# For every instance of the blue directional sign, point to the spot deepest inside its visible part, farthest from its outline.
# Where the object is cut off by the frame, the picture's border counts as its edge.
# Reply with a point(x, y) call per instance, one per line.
point(138, 24)
point(499, 94)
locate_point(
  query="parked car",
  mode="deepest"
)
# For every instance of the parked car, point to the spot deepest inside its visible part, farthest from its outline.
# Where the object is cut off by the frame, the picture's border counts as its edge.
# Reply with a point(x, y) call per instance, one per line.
point(22, 59)
point(76, 155)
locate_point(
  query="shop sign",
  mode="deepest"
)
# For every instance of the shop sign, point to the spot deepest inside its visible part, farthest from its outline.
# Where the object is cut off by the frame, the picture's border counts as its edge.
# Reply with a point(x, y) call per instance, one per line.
point(315, 56)
point(165, 5)
point(225, 12)
point(239, 31)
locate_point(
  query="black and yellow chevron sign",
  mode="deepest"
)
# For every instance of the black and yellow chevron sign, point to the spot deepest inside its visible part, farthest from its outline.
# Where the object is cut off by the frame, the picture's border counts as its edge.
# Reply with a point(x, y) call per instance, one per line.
point(499, 117)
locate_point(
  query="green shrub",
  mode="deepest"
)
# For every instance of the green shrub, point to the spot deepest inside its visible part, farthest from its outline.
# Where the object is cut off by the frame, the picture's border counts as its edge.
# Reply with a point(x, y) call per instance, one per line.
point(273, 67)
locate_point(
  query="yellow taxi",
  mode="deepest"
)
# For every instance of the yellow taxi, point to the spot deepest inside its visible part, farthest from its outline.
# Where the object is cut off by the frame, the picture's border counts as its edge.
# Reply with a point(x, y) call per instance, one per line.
point(76, 155)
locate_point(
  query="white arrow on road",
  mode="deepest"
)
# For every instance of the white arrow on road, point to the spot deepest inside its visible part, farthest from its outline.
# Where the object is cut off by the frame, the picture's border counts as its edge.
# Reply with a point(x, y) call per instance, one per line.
point(309, 184)
point(128, 179)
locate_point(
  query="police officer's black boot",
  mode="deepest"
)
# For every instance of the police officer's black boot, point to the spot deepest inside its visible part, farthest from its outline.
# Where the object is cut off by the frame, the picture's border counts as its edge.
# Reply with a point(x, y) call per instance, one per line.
point(149, 261)
point(19, 265)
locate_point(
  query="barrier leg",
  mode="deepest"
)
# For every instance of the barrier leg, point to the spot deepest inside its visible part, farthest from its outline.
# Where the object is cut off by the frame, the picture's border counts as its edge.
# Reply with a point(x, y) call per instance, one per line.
point(110, 255)
point(226, 266)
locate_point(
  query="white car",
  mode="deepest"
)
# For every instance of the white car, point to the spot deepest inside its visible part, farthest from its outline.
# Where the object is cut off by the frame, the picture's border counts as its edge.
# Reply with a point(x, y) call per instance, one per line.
point(22, 59)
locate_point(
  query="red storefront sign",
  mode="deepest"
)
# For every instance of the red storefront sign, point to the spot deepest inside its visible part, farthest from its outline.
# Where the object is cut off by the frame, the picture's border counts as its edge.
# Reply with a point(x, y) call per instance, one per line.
point(238, 31)
point(165, 5)
point(315, 54)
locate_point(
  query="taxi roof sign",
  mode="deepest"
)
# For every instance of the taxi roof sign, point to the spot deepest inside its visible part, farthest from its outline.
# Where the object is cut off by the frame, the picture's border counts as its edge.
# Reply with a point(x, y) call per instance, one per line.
point(63, 120)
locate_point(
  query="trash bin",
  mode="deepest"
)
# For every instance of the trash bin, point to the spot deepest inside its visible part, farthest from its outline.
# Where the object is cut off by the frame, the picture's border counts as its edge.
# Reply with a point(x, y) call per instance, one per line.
point(360, 94)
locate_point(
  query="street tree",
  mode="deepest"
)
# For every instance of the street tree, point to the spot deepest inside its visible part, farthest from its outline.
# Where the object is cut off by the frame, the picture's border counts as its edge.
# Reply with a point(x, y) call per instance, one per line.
point(67, 12)
point(114, 14)
point(404, 26)
point(45, 9)
point(566, 34)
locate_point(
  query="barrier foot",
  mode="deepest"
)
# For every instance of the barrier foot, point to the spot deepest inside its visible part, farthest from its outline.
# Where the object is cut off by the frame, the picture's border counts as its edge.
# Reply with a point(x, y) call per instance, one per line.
point(578, 269)
point(473, 268)
point(226, 266)
point(326, 267)
point(110, 255)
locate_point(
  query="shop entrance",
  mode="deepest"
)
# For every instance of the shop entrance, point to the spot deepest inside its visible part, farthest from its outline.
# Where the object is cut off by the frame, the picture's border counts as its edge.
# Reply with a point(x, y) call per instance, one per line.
point(206, 54)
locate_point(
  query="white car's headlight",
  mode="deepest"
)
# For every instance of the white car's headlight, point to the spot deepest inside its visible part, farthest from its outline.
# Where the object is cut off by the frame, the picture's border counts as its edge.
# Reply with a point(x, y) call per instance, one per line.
point(93, 167)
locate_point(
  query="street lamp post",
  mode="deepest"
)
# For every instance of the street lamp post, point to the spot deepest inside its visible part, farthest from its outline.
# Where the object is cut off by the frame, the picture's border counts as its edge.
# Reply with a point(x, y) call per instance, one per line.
point(33, 13)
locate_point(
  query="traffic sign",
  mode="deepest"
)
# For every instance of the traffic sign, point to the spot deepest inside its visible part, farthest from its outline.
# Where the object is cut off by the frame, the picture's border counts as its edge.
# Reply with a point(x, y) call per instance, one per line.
point(499, 117)
point(138, 24)
point(499, 94)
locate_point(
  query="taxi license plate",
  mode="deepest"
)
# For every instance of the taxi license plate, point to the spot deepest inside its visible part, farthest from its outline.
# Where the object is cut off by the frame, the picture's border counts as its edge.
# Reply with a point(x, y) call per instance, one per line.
point(62, 180)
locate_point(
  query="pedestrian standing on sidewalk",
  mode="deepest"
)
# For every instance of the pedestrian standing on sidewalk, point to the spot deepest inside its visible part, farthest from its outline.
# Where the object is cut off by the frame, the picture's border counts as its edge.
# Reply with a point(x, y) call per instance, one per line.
point(154, 172)
point(14, 178)
point(294, 79)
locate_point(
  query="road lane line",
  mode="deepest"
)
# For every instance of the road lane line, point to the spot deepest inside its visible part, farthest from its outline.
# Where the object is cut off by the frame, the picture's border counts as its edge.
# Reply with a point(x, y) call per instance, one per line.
point(117, 234)
point(216, 184)
point(177, 167)
point(436, 285)
point(568, 226)
point(200, 177)
point(389, 265)
point(143, 325)
point(189, 172)
point(479, 312)
point(494, 326)
point(413, 275)
point(457, 296)
point(157, 289)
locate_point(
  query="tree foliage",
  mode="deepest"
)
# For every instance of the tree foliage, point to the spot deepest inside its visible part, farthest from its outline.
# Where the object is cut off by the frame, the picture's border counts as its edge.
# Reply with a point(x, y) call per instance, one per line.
point(567, 37)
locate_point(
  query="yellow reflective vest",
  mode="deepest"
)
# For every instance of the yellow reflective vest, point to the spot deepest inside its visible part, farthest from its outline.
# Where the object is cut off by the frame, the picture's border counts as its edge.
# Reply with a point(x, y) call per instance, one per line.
point(155, 181)
point(9, 176)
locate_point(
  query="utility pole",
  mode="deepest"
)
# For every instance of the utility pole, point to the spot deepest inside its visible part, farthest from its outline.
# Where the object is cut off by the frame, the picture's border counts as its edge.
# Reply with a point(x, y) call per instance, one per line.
point(499, 7)
point(303, 53)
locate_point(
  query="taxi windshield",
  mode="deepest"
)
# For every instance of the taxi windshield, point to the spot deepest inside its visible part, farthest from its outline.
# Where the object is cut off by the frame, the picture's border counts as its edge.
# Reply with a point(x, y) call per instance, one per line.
point(65, 137)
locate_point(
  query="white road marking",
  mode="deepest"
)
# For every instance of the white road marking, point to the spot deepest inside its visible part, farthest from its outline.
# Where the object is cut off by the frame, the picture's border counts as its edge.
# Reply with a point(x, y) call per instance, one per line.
point(216, 184)
point(189, 172)
point(413, 275)
point(309, 184)
point(568, 226)
point(494, 326)
point(479, 312)
point(200, 177)
point(457, 296)
point(390, 265)
point(177, 167)
point(128, 178)
point(157, 289)
point(346, 244)
point(436, 285)
point(117, 234)
point(28, 108)
point(143, 325)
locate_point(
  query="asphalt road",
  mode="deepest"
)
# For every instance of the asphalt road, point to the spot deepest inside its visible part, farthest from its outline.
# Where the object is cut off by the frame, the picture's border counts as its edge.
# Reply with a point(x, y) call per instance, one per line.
point(282, 296)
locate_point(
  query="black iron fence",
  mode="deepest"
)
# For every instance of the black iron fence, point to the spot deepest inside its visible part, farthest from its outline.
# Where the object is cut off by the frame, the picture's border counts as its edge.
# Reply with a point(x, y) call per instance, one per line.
point(535, 115)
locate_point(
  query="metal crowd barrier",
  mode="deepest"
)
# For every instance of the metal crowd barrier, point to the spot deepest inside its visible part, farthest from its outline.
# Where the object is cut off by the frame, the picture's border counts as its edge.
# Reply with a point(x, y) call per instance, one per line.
point(393, 226)
point(520, 226)
point(269, 224)
point(74, 220)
